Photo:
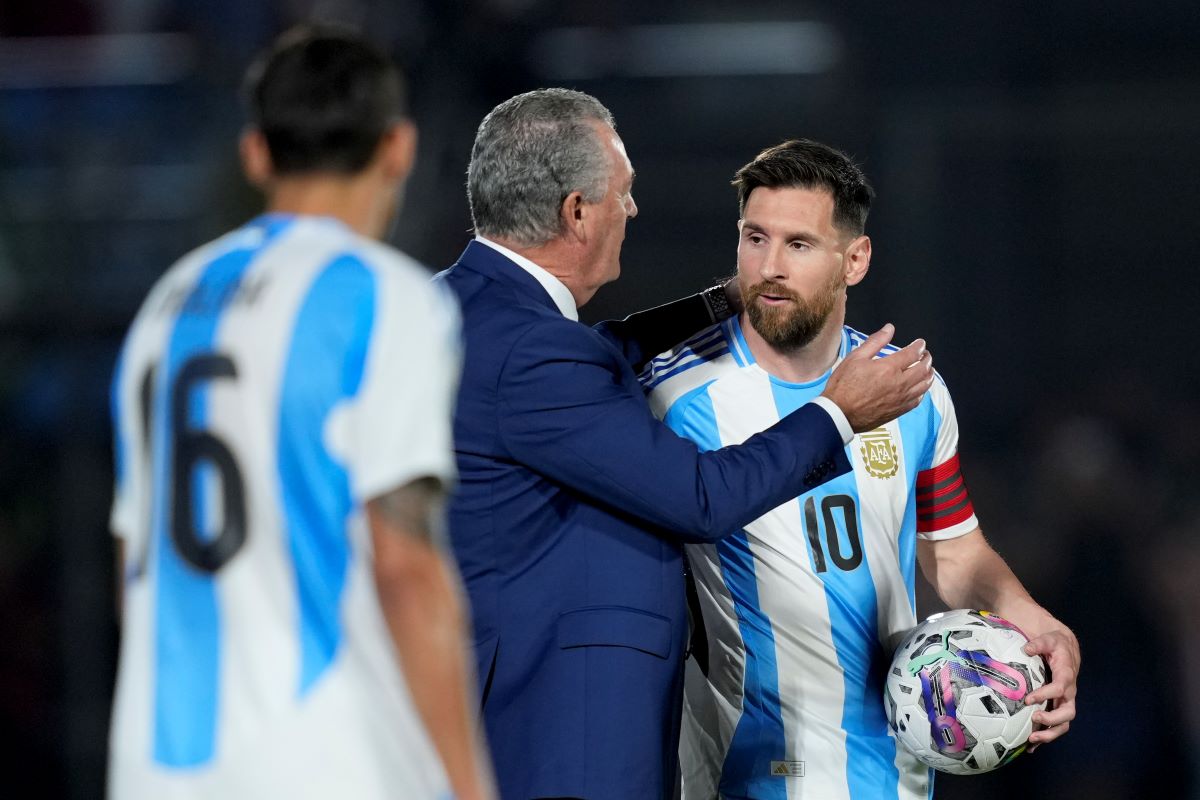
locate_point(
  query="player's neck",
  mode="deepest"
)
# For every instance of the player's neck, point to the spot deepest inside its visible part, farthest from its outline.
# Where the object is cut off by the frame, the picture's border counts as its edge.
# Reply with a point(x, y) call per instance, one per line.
point(354, 200)
point(804, 364)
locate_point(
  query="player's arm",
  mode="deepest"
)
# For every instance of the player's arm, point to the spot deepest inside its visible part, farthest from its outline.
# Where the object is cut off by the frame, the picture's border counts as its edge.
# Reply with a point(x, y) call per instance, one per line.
point(967, 573)
point(421, 599)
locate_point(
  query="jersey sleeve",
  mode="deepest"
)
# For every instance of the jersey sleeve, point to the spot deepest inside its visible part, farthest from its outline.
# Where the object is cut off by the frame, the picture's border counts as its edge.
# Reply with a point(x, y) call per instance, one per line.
point(944, 509)
point(403, 413)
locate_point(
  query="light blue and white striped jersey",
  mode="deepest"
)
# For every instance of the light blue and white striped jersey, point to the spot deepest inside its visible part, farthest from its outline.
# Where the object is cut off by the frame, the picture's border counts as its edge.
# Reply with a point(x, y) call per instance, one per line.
point(273, 381)
point(802, 608)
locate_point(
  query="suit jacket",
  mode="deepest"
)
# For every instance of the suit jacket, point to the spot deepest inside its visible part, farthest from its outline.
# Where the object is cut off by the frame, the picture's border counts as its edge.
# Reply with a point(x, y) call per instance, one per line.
point(567, 523)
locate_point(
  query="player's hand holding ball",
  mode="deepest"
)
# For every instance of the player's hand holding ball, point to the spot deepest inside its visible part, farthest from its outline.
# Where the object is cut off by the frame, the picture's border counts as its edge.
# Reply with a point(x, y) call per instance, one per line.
point(1060, 649)
point(961, 693)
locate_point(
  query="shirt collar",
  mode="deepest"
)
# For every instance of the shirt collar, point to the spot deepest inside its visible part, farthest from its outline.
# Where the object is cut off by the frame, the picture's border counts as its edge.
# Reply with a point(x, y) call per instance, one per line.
point(557, 290)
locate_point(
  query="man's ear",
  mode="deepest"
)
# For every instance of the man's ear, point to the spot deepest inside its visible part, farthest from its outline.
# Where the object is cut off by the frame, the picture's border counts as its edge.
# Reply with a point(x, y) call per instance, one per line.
point(573, 214)
point(858, 260)
point(256, 158)
point(398, 150)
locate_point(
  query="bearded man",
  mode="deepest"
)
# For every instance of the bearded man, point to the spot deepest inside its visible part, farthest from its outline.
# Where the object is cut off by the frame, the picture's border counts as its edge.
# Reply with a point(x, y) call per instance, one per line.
point(796, 616)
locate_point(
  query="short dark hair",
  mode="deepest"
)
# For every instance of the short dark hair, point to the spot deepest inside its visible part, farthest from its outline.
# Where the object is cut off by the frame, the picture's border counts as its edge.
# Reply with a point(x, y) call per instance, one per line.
point(805, 164)
point(323, 99)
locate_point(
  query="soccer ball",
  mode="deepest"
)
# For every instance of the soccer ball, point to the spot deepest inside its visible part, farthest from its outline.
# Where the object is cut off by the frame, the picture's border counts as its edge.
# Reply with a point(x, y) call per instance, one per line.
point(956, 689)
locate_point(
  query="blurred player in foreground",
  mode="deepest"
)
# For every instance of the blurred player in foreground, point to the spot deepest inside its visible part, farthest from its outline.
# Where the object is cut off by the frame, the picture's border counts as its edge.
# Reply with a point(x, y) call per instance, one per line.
point(801, 610)
point(282, 411)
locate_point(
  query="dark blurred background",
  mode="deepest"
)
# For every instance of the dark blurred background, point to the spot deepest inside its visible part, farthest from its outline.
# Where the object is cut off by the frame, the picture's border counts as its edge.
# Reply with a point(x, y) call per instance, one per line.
point(1037, 172)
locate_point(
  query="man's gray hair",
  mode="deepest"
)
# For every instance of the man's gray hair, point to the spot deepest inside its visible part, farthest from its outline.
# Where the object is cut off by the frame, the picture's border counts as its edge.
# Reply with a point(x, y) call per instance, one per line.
point(530, 153)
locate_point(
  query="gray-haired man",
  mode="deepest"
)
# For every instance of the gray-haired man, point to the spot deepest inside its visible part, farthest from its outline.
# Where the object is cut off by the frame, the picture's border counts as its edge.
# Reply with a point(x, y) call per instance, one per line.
point(573, 500)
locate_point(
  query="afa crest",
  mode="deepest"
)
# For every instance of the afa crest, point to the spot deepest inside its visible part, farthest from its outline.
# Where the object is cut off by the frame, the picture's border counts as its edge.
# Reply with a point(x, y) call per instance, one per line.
point(879, 453)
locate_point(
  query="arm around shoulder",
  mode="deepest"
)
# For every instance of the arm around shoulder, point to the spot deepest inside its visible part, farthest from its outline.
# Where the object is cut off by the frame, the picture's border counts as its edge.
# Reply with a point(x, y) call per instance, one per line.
point(569, 410)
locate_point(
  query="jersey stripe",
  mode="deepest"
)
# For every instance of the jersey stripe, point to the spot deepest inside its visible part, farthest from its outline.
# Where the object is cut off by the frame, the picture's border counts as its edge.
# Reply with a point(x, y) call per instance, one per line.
point(918, 431)
point(693, 345)
point(919, 425)
point(853, 618)
point(700, 349)
point(737, 342)
point(316, 508)
point(759, 732)
point(759, 736)
point(700, 359)
point(187, 668)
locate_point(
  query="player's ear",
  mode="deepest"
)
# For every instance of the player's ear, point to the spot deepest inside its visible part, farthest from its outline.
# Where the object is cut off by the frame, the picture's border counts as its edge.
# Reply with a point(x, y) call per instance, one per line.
point(858, 260)
point(398, 149)
point(256, 157)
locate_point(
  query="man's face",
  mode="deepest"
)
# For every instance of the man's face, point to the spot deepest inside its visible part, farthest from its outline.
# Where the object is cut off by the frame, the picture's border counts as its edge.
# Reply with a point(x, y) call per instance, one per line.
point(611, 213)
point(791, 264)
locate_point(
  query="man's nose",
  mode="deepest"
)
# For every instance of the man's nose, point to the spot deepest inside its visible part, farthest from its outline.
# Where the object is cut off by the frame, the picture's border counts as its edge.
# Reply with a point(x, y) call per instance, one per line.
point(630, 207)
point(773, 267)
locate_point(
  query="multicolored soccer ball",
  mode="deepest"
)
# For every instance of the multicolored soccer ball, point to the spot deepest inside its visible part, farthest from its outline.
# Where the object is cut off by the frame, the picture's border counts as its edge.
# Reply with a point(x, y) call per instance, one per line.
point(955, 694)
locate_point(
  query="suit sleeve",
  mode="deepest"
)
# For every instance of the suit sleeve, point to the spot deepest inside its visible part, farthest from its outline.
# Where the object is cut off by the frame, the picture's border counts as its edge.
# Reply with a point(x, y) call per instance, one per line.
point(643, 335)
point(569, 412)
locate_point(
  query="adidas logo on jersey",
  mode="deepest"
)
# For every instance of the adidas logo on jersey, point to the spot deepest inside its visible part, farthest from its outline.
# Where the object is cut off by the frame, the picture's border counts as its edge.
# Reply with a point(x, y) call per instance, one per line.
point(787, 769)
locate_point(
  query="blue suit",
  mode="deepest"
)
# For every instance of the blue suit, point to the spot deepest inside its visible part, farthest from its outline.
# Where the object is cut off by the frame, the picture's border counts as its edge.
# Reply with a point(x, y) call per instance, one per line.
point(567, 522)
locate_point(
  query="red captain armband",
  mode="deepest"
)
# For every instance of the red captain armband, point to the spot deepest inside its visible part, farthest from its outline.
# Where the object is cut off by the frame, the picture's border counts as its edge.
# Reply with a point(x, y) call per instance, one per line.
point(942, 499)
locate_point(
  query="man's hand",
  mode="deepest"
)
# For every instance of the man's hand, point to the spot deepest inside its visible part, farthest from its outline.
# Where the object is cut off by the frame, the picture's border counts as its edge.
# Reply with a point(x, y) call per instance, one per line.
point(1060, 648)
point(872, 391)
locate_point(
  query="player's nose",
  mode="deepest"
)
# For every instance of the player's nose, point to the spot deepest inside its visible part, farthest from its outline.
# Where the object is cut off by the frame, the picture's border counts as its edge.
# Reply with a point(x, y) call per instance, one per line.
point(772, 267)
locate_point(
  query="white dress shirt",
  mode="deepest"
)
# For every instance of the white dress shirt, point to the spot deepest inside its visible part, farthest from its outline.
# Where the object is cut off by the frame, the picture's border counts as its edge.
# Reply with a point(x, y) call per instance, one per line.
point(557, 290)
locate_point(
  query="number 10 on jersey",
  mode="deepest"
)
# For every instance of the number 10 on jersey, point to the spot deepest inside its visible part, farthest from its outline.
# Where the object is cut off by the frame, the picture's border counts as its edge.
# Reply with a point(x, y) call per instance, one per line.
point(832, 507)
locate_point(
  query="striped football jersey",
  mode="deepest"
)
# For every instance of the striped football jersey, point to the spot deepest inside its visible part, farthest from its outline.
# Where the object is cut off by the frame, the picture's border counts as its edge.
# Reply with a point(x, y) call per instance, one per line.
point(273, 381)
point(802, 609)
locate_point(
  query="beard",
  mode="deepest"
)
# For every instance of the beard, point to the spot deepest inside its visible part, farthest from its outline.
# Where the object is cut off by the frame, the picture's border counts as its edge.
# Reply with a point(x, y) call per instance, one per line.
point(789, 328)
